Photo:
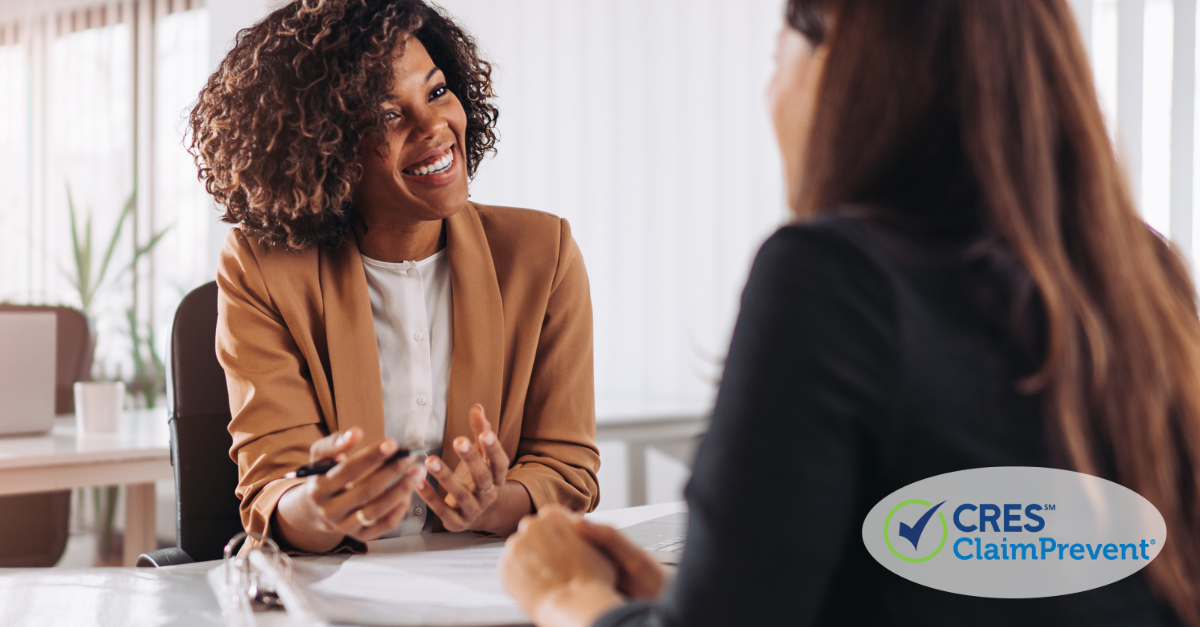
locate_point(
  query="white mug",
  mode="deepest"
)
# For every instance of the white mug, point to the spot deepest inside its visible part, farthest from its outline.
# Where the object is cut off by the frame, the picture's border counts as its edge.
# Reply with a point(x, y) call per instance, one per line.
point(98, 406)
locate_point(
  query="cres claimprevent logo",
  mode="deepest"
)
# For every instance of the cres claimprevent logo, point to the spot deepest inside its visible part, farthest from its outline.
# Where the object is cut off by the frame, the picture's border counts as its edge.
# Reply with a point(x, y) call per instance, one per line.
point(1014, 532)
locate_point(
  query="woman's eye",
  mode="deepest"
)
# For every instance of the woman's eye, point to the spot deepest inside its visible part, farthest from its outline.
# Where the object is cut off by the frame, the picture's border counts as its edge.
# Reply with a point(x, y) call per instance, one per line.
point(438, 92)
point(391, 115)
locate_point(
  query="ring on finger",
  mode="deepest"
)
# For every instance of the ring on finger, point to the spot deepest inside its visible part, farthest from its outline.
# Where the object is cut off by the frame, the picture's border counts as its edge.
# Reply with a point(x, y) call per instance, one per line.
point(363, 520)
point(487, 490)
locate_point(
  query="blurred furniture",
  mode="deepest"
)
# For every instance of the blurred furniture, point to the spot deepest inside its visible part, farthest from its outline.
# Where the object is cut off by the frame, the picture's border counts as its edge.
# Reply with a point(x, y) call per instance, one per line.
point(34, 527)
point(673, 428)
point(76, 347)
point(174, 595)
point(135, 456)
point(208, 512)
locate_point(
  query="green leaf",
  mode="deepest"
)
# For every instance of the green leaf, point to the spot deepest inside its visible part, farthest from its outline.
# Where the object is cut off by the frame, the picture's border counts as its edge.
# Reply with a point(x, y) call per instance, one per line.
point(81, 257)
point(151, 244)
point(116, 236)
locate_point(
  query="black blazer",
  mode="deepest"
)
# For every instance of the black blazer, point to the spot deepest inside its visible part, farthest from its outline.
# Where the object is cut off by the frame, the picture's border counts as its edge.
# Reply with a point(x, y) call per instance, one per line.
point(861, 363)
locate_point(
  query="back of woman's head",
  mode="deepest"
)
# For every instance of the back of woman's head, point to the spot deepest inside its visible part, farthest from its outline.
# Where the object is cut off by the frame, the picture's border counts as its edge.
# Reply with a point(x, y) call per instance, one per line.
point(985, 113)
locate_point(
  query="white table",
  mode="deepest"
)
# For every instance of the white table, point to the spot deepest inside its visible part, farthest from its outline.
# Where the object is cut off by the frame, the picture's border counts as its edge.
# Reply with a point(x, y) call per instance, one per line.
point(175, 595)
point(136, 456)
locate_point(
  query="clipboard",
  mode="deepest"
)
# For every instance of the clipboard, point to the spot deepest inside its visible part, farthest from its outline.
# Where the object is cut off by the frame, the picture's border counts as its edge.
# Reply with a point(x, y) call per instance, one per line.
point(260, 580)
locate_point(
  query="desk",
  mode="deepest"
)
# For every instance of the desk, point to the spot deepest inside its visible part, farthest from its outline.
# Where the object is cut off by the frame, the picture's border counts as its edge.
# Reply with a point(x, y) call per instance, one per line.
point(136, 456)
point(175, 595)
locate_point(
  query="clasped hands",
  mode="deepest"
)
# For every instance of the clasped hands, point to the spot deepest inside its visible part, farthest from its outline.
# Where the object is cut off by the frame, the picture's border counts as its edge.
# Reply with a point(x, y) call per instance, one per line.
point(565, 571)
point(365, 496)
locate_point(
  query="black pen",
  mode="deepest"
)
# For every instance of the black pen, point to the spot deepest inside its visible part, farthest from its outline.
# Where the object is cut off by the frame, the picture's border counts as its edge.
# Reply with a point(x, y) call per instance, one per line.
point(325, 465)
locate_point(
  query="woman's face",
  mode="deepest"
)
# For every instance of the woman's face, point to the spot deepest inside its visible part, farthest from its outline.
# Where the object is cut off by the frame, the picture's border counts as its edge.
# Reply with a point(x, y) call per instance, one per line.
point(792, 98)
point(420, 173)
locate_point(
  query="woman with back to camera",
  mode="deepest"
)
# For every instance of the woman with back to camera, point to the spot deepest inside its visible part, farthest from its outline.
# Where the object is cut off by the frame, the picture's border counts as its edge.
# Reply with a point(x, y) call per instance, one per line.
point(968, 284)
point(366, 305)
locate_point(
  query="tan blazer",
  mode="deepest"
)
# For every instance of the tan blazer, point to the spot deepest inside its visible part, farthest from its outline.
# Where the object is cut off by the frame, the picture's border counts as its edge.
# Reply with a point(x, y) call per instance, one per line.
point(297, 340)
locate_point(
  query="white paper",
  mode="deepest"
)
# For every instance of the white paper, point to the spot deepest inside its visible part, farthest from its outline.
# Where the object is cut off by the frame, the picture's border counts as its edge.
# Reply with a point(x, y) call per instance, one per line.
point(462, 578)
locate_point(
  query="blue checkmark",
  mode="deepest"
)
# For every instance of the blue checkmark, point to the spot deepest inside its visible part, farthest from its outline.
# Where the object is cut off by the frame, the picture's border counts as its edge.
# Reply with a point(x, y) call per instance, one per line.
point(913, 533)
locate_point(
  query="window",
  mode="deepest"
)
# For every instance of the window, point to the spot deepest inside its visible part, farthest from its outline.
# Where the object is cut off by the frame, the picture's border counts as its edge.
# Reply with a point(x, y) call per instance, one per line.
point(16, 227)
point(1144, 57)
point(92, 97)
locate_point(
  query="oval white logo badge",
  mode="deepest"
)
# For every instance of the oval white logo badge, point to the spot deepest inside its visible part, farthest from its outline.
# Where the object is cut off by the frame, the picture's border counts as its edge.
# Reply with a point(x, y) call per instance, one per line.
point(1014, 532)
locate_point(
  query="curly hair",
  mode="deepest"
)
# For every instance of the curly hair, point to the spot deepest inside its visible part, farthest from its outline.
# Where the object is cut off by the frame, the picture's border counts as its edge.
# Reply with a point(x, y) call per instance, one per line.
point(278, 128)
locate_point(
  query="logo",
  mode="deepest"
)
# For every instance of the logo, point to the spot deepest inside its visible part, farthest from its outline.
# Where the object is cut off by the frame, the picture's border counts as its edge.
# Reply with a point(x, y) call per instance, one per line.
point(1014, 532)
point(913, 533)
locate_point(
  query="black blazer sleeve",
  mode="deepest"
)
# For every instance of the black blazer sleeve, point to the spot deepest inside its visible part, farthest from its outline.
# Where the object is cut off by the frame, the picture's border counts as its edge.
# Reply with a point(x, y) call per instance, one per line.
point(774, 494)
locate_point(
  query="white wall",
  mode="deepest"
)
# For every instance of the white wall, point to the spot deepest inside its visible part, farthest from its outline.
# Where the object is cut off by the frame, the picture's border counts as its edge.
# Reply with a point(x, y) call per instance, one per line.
point(641, 121)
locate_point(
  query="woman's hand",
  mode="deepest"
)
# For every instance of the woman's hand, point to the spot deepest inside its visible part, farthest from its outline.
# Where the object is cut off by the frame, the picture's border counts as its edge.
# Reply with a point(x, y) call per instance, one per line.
point(638, 575)
point(486, 502)
point(555, 574)
point(362, 497)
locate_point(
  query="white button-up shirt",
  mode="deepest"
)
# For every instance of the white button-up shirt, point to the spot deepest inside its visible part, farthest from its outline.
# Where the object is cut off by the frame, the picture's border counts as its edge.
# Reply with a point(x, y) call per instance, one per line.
point(413, 311)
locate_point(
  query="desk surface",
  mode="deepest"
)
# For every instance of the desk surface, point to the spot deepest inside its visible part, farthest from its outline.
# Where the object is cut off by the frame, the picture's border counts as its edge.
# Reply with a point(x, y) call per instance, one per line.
point(141, 435)
point(175, 595)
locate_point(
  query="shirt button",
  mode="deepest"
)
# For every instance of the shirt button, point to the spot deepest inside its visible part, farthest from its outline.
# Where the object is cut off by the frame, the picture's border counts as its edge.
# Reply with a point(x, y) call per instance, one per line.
point(420, 336)
point(420, 400)
point(412, 272)
point(418, 511)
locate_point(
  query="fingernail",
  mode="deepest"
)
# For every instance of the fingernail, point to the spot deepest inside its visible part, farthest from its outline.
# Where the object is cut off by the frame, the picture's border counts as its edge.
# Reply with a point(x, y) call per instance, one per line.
point(421, 485)
point(388, 447)
point(419, 474)
point(435, 465)
point(462, 445)
point(489, 438)
point(344, 438)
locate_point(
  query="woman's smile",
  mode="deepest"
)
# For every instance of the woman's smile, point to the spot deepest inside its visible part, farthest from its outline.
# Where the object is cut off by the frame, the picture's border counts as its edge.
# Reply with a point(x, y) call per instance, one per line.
point(435, 168)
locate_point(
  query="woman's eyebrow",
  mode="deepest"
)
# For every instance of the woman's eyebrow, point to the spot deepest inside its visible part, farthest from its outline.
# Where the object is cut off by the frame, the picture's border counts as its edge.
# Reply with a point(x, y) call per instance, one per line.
point(435, 70)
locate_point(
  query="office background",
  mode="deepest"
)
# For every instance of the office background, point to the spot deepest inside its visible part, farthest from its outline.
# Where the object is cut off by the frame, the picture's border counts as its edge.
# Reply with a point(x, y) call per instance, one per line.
point(641, 121)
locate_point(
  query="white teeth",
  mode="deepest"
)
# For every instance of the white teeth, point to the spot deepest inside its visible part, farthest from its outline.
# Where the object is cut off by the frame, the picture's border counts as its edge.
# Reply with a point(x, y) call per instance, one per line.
point(437, 167)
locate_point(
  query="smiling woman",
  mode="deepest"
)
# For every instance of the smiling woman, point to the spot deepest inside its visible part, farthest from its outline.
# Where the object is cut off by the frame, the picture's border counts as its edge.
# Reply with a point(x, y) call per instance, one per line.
point(367, 305)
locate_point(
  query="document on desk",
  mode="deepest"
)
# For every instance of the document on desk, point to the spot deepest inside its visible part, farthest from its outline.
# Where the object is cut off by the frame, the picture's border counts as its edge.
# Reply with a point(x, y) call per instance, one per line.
point(435, 581)
point(464, 578)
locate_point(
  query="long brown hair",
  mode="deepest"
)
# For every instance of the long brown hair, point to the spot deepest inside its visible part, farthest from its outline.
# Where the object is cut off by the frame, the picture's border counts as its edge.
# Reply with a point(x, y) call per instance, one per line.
point(999, 97)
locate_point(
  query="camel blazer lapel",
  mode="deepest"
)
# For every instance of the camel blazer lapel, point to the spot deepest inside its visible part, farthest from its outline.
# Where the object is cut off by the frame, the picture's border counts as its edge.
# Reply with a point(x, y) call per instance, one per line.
point(353, 352)
point(477, 363)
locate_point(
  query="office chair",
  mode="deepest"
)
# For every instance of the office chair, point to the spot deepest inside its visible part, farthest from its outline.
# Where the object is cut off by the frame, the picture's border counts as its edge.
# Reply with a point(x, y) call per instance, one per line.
point(207, 512)
point(34, 527)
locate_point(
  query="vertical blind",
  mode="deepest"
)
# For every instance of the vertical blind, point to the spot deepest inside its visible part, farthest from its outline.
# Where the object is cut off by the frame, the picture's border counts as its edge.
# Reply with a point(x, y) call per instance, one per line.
point(1144, 57)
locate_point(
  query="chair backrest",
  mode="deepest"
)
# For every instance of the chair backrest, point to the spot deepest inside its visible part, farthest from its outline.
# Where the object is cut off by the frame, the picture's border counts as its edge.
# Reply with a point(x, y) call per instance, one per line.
point(207, 514)
point(75, 351)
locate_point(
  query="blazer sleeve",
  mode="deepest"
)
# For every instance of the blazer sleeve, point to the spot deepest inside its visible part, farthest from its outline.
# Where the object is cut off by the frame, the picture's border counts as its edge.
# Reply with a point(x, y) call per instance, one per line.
point(557, 459)
point(276, 416)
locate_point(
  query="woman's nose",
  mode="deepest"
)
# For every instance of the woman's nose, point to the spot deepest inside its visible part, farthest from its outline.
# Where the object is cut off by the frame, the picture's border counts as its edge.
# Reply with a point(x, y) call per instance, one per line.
point(428, 122)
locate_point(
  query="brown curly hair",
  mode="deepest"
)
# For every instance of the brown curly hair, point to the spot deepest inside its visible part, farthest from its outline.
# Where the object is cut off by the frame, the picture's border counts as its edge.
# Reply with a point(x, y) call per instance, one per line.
point(278, 127)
